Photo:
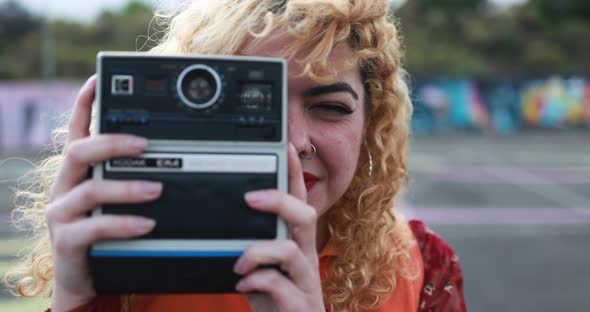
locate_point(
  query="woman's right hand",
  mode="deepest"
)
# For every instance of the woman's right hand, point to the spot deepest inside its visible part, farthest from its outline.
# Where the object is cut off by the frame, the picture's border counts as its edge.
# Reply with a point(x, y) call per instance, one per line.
point(72, 197)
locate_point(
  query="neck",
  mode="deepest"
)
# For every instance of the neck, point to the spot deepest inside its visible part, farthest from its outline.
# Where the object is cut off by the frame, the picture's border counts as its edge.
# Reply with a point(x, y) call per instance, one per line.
point(323, 233)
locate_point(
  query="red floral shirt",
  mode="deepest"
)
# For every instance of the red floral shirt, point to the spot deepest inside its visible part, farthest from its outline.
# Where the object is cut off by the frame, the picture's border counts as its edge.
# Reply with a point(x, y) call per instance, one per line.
point(443, 277)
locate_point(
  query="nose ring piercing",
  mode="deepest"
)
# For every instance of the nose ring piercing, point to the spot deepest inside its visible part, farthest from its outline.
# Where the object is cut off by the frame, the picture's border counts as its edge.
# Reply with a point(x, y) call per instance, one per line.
point(308, 155)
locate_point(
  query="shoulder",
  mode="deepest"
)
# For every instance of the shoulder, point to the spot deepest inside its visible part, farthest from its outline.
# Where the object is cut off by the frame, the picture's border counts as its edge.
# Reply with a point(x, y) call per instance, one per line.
point(433, 247)
point(443, 277)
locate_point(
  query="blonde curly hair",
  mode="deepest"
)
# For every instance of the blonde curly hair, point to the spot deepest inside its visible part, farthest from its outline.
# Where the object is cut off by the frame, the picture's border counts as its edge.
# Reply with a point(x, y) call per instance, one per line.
point(375, 243)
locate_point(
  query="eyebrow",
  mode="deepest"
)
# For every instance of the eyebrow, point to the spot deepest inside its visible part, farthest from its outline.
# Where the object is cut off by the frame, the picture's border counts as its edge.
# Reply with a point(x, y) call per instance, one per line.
point(331, 88)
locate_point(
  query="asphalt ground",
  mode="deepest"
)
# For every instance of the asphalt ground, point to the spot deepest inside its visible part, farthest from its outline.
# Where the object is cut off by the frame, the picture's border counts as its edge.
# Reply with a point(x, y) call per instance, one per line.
point(515, 208)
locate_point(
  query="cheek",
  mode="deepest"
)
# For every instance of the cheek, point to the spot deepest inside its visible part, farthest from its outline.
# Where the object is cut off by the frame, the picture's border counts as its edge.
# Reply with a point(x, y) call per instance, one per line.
point(341, 155)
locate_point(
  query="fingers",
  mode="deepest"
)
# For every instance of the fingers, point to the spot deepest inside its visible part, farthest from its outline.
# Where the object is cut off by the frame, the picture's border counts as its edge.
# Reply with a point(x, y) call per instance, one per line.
point(285, 253)
point(71, 233)
point(300, 217)
point(273, 283)
point(72, 238)
point(83, 153)
point(92, 193)
point(80, 121)
point(300, 288)
point(296, 182)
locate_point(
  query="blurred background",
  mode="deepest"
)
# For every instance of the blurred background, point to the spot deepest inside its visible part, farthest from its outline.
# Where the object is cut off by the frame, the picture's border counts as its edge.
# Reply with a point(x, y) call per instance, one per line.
point(500, 152)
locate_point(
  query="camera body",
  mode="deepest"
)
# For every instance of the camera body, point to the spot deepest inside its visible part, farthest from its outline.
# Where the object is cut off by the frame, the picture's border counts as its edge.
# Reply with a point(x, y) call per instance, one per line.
point(216, 128)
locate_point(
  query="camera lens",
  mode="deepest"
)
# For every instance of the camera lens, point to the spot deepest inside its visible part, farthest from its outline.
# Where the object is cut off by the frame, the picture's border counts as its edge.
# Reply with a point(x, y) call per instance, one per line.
point(199, 86)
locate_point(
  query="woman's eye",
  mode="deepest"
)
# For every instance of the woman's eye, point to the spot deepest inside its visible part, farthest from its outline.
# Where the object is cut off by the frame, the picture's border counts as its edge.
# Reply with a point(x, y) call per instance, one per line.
point(333, 108)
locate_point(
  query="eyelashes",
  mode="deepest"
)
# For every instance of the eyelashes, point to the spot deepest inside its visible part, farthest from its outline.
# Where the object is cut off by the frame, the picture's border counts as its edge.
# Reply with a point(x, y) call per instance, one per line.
point(332, 108)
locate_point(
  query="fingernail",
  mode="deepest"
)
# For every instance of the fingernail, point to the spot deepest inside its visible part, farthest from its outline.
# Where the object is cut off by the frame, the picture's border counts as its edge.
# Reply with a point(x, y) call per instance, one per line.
point(240, 286)
point(137, 143)
point(239, 266)
point(256, 197)
point(89, 80)
point(143, 225)
point(151, 188)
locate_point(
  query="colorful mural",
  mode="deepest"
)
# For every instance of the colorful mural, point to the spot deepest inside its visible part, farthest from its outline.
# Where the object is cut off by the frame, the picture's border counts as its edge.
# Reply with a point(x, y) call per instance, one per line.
point(500, 106)
point(30, 110)
point(556, 102)
point(444, 105)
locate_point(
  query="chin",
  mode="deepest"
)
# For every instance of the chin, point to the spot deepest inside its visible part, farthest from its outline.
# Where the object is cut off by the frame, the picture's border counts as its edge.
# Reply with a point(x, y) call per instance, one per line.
point(314, 201)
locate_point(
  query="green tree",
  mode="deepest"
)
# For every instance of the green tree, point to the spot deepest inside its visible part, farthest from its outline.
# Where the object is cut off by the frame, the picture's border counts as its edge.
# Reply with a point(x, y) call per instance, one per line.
point(476, 39)
point(76, 43)
point(560, 10)
point(456, 37)
point(449, 5)
point(15, 23)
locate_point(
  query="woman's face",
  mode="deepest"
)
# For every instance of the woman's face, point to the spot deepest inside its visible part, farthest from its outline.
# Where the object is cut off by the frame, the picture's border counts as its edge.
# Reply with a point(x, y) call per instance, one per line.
point(329, 116)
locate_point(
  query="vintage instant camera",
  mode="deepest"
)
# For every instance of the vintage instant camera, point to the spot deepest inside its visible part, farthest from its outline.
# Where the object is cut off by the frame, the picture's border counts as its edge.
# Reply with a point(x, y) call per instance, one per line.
point(216, 128)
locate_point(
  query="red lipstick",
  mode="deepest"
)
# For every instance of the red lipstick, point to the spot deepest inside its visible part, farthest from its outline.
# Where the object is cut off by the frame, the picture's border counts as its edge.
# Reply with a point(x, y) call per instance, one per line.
point(310, 180)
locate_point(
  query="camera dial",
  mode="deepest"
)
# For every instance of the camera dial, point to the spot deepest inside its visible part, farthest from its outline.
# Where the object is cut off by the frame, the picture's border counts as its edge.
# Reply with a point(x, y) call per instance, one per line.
point(199, 86)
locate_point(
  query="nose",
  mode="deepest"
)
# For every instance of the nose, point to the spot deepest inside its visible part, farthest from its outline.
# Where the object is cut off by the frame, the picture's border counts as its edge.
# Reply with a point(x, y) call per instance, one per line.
point(298, 127)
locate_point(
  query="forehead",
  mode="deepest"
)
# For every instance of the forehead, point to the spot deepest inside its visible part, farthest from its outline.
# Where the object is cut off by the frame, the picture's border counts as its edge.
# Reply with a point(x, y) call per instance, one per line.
point(276, 46)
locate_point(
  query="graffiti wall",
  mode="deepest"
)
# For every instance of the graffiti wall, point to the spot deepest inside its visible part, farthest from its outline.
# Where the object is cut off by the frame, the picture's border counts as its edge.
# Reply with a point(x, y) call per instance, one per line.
point(556, 102)
point(30, 110)
point(500, 106)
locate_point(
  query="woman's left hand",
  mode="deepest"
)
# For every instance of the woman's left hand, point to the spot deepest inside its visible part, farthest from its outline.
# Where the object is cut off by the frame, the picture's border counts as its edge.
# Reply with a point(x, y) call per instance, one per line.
point(299, 289)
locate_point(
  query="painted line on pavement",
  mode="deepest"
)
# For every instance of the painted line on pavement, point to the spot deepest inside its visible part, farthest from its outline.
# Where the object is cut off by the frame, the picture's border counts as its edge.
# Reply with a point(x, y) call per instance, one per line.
point(476, 215)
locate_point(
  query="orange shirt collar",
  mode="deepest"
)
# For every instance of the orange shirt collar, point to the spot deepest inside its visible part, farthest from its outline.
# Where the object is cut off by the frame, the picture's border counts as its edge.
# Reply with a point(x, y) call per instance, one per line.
point(329, 250)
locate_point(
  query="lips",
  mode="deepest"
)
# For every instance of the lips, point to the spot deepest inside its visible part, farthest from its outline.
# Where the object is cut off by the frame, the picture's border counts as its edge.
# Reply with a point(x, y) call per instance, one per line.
point(310, 180)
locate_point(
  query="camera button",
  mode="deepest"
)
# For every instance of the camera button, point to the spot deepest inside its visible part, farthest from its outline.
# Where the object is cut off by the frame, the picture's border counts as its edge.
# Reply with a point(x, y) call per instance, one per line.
point(114, 118)
point(128, 118)
point(142, 120)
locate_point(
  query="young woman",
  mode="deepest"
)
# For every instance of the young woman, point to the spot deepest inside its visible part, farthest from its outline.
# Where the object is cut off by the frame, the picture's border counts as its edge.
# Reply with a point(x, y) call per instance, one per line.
point(348, 113)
